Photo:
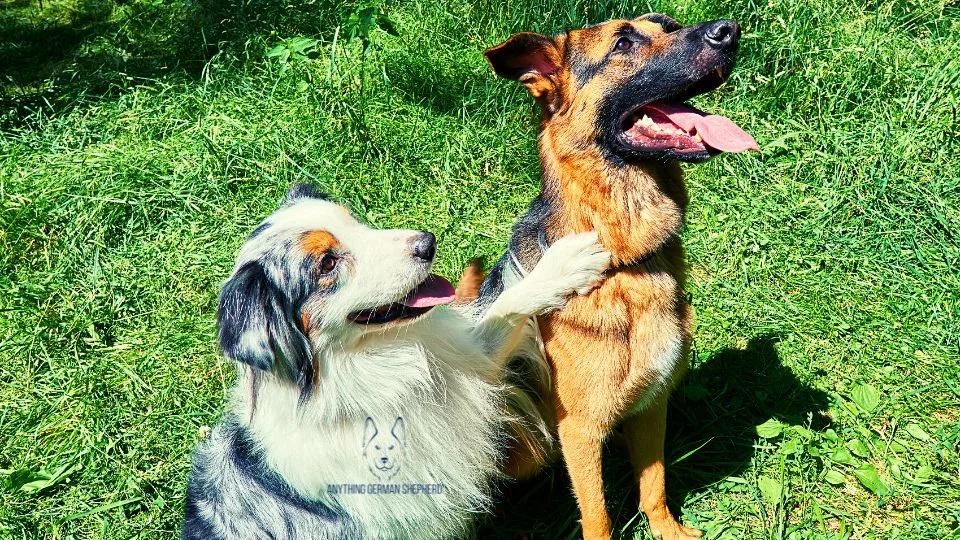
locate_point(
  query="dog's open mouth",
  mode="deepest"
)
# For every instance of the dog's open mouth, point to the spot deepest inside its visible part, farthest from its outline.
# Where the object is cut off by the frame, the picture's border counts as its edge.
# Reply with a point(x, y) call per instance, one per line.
point(432, 292)
point(671, 124)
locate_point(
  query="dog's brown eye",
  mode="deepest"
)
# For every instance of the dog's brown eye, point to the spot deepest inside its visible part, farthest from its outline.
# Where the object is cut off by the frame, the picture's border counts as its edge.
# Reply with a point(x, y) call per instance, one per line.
point(327, 264)
point(623, 44)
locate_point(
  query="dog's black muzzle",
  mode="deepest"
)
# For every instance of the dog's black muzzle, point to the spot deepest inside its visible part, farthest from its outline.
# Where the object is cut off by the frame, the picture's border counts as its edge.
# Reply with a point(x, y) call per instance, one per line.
point(699, 59)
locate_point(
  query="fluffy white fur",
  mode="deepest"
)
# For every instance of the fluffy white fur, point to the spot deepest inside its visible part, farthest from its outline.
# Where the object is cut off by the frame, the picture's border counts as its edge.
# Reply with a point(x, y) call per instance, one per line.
point(441, 373)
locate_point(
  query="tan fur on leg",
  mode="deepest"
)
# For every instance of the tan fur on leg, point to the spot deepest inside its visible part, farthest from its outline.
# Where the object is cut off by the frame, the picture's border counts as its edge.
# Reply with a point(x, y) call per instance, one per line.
point(645, 434)
point(582, 444)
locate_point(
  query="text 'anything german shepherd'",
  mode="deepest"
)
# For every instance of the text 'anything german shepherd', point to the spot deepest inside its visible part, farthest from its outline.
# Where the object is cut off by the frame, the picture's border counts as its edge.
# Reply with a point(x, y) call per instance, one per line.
point(614, 126)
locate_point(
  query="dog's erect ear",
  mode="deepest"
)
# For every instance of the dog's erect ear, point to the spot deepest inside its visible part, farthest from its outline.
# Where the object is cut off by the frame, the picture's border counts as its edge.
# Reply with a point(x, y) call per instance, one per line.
point(258, 326)
point(524, 54)
point(303, 191)
point(397, 431)
point(532, 59)
point(369, 431)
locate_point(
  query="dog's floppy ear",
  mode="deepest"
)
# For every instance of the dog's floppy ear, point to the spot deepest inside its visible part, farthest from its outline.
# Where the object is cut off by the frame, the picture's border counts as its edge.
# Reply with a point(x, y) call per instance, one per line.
point(258, 326)
point(532, 59)
point(397, 431)
point(369, 431)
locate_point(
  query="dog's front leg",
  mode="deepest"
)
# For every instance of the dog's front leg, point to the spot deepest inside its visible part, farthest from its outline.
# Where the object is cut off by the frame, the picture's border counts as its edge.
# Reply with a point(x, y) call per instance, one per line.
point(582, 443)
point(572, 265)
point(645, 434)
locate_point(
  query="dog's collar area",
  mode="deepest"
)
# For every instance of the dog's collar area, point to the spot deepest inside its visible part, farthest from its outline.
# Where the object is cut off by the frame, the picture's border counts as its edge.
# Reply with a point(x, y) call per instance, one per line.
point(634, 263)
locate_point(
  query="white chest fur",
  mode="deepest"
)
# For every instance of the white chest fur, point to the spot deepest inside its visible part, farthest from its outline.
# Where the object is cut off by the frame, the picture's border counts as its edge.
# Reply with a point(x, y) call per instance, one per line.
point(444, 445)
point(658, 375)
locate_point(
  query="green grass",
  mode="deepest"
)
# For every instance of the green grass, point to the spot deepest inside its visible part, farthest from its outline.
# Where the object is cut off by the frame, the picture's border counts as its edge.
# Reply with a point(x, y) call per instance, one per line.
point(142, 140)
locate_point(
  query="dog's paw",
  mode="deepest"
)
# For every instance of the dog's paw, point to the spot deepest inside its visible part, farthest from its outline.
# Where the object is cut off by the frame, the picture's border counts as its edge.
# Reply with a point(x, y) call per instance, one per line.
point(675, 531)
point(573, 264)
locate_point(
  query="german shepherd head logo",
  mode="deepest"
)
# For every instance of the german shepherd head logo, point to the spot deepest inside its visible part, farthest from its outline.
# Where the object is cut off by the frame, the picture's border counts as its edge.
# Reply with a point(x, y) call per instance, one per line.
point(383, 451)
point(615, 92)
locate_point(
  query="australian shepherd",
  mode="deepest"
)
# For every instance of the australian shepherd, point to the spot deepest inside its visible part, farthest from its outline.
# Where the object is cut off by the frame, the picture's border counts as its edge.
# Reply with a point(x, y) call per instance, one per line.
point(364, 407)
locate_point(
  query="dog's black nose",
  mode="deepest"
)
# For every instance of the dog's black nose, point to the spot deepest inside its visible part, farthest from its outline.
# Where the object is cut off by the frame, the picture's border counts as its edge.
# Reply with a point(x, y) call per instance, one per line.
point(424, 246)
point(721, 33)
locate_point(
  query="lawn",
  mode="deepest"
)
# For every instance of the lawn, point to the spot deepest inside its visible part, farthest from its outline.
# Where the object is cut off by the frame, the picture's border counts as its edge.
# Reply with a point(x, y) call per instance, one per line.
point(141, 141)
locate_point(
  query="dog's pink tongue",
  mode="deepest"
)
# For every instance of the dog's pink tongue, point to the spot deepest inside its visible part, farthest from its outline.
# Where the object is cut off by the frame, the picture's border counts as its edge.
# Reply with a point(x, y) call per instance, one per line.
point(434, 291)
point(718, 132)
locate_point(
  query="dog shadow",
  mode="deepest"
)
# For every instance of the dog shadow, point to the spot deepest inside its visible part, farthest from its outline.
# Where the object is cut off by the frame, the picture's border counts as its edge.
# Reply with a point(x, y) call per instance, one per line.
point(710, 436)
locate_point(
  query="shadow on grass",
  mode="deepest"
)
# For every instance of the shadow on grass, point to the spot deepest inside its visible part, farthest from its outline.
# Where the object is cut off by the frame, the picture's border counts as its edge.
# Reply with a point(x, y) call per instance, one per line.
point(35, 41)
point(424, 81)
point(716, 409)
point(73, 52)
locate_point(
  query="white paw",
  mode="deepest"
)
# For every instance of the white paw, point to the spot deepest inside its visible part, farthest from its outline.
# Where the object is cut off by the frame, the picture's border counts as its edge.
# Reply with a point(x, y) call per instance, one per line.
point(573, 264)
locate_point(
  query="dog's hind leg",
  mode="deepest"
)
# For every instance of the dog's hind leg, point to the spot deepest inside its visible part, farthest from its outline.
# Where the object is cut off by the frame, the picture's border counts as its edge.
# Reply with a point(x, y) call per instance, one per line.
point(645, 435)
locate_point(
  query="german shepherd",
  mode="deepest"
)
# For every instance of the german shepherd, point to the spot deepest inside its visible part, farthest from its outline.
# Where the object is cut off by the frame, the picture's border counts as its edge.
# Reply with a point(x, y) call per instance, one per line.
point(614, 127)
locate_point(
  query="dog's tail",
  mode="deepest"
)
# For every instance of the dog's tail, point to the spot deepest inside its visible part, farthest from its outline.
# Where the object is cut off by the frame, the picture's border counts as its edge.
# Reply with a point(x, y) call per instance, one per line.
point(468, 288)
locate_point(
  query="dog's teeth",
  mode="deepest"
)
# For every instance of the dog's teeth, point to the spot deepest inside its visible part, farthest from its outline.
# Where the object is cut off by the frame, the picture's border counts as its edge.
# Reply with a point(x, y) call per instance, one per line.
point(698, 138)
point(646, 121)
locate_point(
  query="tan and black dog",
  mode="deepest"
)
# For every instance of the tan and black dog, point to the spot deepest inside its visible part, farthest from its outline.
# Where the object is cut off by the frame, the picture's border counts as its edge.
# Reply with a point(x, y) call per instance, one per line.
point(614, 127)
